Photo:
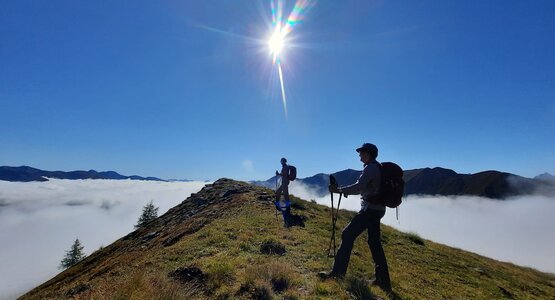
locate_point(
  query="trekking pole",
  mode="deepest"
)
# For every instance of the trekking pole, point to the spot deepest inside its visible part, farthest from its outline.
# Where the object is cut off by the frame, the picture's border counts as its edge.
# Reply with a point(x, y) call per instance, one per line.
point(332, 239)
point(337, 209)
point(334, 221)
point(334, 217)
point(277, 197)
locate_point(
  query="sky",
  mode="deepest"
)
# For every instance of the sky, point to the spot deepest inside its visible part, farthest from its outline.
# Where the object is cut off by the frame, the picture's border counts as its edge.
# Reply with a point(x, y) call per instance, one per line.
point(187, 89)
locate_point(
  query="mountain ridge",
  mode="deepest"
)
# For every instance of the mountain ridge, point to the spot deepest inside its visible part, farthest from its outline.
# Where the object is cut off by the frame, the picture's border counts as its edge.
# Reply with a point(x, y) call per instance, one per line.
point(219, 243)
point(28, 174)
point(441, 181)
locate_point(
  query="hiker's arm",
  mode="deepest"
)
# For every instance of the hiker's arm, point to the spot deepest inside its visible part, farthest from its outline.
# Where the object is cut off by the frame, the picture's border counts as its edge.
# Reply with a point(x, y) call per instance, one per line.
point(354, 188)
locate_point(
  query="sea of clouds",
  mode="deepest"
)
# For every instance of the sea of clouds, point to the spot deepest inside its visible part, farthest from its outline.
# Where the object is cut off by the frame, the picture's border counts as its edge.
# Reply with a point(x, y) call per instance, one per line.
point(518, 230)
point(40, 220)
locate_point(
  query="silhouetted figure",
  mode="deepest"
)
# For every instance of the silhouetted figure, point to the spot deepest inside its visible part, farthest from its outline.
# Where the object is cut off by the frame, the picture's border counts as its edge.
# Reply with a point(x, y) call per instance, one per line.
point(368, 218)
point(283, 205)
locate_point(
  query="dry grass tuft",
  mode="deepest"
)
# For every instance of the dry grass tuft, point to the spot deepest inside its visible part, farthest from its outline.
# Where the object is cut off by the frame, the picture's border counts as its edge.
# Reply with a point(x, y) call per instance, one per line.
point(273, 276)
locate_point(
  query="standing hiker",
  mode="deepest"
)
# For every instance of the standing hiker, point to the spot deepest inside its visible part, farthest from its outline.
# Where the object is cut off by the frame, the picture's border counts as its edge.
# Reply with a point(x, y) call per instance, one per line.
point(368, 218)
point(284, 205)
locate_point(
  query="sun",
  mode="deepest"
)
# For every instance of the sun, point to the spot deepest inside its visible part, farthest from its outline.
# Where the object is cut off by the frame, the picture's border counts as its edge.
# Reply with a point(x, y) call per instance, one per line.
point(276, 43)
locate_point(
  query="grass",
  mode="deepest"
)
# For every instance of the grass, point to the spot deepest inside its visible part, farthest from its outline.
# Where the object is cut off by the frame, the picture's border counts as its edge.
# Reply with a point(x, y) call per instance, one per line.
point(359, 288)
point(227, 248)
point(415, 238)
point(147, 285)
point(220, 273)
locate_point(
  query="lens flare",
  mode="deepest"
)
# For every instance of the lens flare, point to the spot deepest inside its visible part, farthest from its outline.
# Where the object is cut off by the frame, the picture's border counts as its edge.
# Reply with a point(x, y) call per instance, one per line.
point(277, 40)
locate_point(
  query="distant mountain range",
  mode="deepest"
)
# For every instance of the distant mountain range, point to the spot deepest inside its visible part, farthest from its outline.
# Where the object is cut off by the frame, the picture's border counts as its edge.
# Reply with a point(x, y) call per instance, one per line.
point(26, 174)
point(425, 181)
point(441, 181)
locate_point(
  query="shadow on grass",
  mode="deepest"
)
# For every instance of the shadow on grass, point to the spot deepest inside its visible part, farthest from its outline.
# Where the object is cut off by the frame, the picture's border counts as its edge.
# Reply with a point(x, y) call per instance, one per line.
point(359, 289)
point(297, 220)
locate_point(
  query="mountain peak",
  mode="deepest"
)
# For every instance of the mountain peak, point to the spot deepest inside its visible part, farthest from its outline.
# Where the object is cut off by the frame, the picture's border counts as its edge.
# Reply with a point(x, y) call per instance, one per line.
point(545, 177)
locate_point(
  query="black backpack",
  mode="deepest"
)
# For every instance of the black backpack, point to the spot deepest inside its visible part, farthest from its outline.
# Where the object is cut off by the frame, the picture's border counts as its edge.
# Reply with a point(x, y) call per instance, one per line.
point(392, 186)
point(292, 173)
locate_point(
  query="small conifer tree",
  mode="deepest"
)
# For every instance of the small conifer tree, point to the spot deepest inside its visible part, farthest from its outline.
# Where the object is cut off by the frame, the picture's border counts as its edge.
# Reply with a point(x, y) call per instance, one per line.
point(73, 256)
point(150, 212)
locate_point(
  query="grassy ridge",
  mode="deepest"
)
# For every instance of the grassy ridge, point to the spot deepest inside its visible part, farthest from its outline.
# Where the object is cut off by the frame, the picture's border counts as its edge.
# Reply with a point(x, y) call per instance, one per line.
point(216, 253)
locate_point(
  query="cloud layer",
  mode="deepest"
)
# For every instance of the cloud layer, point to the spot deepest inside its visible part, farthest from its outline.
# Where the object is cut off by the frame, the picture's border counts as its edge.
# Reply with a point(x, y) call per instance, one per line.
point(40, 220)
point(518, 230)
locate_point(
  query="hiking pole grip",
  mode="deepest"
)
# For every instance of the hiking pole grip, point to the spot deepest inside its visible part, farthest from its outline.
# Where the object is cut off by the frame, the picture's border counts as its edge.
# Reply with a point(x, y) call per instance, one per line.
point(333, 182)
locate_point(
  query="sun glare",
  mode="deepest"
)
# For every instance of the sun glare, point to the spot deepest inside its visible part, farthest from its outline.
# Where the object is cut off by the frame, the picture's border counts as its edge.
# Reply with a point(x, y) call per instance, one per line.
point(281, 28)
point(276, 42)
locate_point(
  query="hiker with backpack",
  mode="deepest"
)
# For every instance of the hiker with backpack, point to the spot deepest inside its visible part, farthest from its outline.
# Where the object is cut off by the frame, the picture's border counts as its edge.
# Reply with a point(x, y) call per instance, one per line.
point(368, 218)
point(288, 173)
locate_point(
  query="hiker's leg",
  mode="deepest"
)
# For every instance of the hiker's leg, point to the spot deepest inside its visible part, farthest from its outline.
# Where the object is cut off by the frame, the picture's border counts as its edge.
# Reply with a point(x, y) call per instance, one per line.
point(375, 244)
point(285, 213)
point(283, 210)
point(350, 233)
point(278, 192)
point(288, 214)
point(288, 203)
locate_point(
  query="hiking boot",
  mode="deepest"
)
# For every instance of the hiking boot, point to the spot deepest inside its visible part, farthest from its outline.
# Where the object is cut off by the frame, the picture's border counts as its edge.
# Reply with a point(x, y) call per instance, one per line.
point(329, 275)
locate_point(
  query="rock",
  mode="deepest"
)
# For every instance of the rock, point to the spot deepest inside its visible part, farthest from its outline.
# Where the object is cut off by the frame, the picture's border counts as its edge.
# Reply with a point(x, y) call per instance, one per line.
point(228, 193)
point(199, 201)
point(150, 236)
point(172, 240)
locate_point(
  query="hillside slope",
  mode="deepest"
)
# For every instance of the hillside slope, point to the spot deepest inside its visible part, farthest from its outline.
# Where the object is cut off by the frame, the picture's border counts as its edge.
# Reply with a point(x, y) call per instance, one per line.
point(221, 243)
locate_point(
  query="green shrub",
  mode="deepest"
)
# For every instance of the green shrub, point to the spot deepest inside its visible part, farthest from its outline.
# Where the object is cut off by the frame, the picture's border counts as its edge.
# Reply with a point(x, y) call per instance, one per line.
point(415, 238)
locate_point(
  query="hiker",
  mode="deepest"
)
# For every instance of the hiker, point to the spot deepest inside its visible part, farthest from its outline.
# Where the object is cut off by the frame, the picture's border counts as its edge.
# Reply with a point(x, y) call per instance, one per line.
point(283, 205)
point(368, 217)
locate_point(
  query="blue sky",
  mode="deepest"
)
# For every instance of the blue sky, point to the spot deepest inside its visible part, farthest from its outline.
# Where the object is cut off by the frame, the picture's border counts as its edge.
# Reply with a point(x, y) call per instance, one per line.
point(146, 87)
